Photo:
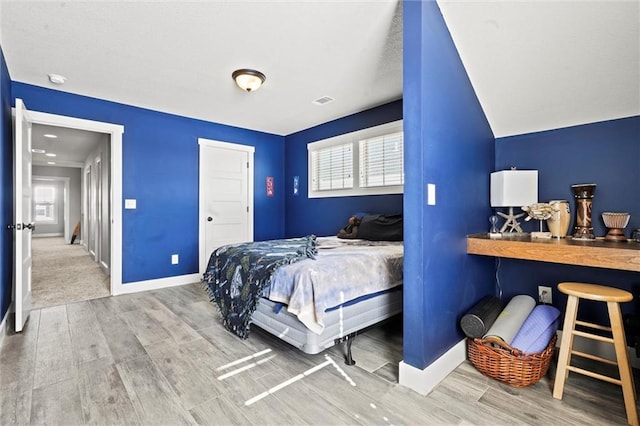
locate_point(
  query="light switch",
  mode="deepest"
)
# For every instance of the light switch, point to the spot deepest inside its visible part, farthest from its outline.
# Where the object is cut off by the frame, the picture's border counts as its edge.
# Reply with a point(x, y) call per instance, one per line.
point(431, 194)
point(129, 203)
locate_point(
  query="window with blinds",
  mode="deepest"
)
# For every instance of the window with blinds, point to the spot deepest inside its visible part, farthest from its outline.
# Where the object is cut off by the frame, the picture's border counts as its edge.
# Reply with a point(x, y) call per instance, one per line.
point(332, 168)
point(44, 198)
point(381, 161)
point(366, 162)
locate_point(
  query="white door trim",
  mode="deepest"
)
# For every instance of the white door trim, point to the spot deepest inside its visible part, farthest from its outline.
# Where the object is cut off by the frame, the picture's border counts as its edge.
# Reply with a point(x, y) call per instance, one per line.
point(201, 213)
point(115, 132)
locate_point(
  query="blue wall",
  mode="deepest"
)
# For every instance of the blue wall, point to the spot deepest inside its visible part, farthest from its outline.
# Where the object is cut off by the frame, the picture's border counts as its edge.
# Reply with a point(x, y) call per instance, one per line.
point(607, 154)
point(448, 142)
point(325, 216)
point(160, 170)
point(6, 189)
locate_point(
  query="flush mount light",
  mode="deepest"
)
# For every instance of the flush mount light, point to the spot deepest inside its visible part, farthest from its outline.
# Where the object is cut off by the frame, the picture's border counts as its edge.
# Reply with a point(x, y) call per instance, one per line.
point(50, 154)
point(49, 135)
point(248, 80)
point(51, 162)
point(38, 151)
point(57, 78)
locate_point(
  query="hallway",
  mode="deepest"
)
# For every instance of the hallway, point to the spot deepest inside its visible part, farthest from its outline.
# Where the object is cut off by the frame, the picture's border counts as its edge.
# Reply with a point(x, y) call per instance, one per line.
point(64, 273)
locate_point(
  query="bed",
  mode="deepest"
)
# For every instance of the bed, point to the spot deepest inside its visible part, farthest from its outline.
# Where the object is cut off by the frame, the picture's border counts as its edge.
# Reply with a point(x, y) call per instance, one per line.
point(315, 293)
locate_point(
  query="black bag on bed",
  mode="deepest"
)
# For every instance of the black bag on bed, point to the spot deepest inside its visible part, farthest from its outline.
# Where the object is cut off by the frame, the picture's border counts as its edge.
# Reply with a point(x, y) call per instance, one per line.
point(381, 227)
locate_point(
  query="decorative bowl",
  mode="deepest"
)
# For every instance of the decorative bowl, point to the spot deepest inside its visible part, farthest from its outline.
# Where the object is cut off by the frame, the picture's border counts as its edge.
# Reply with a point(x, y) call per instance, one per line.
point(615, 220)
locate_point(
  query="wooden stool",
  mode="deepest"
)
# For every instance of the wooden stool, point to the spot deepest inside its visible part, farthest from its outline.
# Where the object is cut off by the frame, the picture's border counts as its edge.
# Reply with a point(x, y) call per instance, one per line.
point(613, 297)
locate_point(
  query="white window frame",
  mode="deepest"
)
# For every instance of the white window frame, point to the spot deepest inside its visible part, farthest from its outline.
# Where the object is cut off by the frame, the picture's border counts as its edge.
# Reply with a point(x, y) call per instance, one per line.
point(353, 138)
point(53, 204)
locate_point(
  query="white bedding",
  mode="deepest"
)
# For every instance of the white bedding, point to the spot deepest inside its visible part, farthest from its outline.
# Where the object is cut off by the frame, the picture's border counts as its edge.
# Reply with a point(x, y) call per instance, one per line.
point(342, 271)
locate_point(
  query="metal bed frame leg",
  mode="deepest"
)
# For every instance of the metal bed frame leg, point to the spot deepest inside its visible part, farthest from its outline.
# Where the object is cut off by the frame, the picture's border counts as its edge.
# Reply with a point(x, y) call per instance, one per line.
point(347, 340)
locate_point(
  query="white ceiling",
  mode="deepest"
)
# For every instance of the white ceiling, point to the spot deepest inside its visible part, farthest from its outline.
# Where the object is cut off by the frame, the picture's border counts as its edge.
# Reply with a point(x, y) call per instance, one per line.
point(535, 65)
point(540, 65)
point(177, 57)
point(71, 147)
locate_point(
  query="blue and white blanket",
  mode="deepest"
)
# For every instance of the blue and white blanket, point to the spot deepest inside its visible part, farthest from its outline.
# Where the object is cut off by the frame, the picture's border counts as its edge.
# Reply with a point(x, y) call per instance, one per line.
point(343, 270)
point(238, 273)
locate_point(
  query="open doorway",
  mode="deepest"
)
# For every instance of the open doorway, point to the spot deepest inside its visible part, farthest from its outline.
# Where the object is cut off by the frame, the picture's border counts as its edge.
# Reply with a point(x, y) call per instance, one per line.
point(71, 205)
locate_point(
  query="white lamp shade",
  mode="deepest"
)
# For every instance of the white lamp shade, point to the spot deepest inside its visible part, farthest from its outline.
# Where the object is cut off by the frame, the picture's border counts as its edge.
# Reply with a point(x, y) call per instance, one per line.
point(514, 188)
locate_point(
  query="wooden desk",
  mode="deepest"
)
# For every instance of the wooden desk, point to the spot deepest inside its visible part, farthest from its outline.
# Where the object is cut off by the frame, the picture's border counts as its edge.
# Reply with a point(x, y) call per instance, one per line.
point(597, 253)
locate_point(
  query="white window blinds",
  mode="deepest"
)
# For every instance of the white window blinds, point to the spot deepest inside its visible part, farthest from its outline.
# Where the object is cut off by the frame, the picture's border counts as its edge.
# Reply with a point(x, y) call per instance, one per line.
point(381, 161)
point(332, 168)
point(44, 198)
point(365, 162)
point(44, 194)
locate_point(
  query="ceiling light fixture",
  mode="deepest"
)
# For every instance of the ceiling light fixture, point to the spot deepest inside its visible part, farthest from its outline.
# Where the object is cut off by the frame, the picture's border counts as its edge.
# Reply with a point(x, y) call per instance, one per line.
point(57, 78)
point(50, 154)
point(49, 135)
point(51, 162)
point(248, 80)
point(38, 151)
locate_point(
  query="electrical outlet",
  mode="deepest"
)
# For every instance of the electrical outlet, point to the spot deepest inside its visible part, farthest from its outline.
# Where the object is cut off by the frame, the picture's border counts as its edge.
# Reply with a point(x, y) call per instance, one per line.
point(544, 295)
point(174, 259)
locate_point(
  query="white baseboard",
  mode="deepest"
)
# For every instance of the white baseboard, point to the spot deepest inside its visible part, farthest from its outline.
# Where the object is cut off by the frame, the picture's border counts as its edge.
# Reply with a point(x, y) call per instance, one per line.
point(424, 381)
point(147, 285)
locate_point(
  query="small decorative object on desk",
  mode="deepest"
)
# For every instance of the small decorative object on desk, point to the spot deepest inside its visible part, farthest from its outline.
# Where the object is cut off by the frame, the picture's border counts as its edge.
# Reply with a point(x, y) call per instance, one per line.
point(540, 212)
point(616, 222)
point(559, 222)
point(493, 231)
point(583, 228)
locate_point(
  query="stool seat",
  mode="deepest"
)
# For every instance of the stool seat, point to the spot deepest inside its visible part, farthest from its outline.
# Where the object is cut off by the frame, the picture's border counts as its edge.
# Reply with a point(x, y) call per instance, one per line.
point(612, 297)
point(596, 292)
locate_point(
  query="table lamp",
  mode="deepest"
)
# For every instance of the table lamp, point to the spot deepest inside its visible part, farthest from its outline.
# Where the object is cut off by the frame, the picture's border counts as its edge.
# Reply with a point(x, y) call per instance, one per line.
point(513, 188)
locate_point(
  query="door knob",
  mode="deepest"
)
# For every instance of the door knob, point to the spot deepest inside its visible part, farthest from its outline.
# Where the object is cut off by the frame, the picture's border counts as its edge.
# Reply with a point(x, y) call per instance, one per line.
point(209, 218)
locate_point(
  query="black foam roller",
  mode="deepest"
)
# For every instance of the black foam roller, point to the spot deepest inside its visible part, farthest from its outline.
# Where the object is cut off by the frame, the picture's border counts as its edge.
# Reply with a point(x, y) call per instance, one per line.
point(481, 317)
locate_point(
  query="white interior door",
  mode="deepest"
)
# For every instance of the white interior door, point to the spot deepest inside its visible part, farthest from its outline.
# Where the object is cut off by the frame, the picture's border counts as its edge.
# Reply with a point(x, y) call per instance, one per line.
point(226, 196)
point(23, 216)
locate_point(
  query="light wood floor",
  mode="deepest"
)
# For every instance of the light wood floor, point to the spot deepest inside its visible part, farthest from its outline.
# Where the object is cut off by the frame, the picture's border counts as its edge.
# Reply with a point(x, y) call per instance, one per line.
point(162, 357)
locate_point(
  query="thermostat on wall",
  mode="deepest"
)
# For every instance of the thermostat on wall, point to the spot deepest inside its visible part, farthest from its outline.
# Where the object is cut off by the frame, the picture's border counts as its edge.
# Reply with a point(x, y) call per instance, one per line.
point(129, 203)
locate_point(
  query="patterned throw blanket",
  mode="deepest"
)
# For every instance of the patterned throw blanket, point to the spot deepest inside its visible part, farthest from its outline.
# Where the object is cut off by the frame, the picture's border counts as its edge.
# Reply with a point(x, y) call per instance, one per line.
point(237, 274)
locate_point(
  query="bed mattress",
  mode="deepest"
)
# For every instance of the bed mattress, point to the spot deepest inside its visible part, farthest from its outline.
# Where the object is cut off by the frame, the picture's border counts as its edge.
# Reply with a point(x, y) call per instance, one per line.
point(339, 322)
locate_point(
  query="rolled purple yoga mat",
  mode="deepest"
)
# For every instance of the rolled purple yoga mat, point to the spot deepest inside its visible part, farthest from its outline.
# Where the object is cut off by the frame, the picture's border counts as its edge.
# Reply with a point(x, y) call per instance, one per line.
point(537, 330)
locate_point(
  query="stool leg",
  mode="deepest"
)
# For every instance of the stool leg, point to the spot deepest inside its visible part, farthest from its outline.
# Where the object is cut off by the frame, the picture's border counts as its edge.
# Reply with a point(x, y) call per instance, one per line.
point(626, 377)
point(566, 345)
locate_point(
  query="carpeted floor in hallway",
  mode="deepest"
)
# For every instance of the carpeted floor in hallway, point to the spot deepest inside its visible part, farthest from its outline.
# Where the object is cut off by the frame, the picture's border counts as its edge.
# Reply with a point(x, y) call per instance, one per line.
point(64, 273)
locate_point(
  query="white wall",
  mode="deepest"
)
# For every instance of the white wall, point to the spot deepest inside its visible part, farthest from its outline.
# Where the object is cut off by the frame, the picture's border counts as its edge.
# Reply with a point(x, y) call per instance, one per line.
point(98, 238)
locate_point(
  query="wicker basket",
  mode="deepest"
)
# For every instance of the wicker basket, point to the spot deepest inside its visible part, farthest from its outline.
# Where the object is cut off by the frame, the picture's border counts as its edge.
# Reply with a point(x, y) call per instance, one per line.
point(496, 359)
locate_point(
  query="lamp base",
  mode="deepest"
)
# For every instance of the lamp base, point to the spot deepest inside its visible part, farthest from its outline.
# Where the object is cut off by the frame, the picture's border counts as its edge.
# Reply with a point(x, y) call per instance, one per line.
point(511, 221)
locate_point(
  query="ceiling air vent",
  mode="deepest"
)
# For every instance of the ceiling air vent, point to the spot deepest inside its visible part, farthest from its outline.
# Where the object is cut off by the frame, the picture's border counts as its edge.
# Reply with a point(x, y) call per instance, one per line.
point(323, 100)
